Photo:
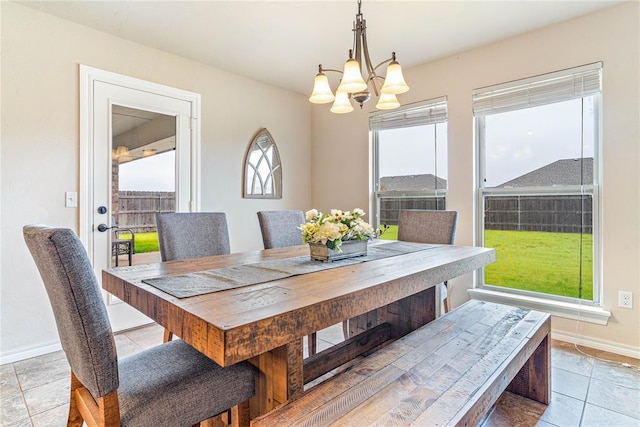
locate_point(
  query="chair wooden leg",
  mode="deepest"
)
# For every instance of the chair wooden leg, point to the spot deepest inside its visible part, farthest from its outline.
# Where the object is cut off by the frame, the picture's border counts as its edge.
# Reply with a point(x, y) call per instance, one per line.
point(75, 418)
point(240, 415)
point(104, 413)
point(168, 336)
point(445, 301)
point(312, 341)
point(237, 416)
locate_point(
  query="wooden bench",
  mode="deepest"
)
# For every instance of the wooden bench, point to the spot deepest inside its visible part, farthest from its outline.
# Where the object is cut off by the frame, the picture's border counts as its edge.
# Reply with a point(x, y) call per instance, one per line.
point(448, 372)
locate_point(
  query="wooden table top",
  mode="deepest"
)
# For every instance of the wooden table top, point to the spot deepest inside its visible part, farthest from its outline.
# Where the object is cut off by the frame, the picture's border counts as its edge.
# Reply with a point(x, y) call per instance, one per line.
point(234, 325)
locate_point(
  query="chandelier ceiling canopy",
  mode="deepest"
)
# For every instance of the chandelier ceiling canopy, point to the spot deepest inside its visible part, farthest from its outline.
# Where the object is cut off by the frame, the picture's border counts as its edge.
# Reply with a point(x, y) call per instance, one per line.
point(353, 85)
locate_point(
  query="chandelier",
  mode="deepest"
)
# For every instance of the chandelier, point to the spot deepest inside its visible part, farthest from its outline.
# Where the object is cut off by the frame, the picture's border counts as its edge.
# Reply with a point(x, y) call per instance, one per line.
point(353, 84)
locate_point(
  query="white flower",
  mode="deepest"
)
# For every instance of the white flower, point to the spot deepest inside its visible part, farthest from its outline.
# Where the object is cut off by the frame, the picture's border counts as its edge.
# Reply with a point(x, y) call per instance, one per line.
point(329, 231)
point(335, 228)
point(309, 215)
point(337, 214)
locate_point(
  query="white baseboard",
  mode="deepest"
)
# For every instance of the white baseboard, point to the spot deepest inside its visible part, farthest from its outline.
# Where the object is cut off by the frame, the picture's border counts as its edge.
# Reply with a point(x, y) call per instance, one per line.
point(16, 356)
point(598, 344)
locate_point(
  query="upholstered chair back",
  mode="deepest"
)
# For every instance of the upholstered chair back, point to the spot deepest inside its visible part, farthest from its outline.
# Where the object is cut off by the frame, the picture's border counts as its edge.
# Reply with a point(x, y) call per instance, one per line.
point(78, 308)
point(192, 235)
point(280, 228)
point(427, 226)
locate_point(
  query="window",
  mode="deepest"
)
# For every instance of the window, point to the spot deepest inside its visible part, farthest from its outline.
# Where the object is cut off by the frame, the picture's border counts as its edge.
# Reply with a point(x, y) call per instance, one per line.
point(262, 169)
point(538, 186)
point(410, 160)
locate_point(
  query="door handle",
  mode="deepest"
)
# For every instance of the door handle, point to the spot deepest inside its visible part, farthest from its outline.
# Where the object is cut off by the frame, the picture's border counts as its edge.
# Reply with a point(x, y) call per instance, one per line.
point(103, 227)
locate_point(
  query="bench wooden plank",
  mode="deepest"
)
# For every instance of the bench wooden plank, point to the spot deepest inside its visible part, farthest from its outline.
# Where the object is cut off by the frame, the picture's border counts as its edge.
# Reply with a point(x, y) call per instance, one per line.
point(478, 389)
point(449, 372)
point(446, 380)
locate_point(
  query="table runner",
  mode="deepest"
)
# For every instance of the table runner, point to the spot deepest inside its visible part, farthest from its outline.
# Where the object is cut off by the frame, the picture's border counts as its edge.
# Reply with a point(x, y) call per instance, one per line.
point(220, 279)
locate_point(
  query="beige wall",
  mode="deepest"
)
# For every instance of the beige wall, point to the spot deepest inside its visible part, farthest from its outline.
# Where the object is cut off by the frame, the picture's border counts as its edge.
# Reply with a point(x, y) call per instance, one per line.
point(611, 36)
point(39, 155)
point(40, 146)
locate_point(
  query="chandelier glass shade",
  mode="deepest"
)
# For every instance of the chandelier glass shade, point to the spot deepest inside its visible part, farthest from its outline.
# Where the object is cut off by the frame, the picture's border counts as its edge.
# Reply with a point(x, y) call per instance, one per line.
point(353, 85)
point(341, 104)
point(387, 101)
point(321, 90)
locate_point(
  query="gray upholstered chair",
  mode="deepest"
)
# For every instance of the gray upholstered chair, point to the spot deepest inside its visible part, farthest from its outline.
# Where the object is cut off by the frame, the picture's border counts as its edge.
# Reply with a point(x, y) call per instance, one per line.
point(185, 235)
point(168, 385)
point(280, 228)
point(192, 235)
point(428, 226)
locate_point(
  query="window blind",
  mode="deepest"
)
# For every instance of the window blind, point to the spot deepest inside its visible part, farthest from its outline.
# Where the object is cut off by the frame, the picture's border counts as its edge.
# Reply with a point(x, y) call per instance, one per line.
point(425, 113)
point(540, 90)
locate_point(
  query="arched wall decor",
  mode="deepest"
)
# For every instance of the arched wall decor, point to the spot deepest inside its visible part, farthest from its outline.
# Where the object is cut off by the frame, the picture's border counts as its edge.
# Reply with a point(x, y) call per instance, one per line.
point(262, 168)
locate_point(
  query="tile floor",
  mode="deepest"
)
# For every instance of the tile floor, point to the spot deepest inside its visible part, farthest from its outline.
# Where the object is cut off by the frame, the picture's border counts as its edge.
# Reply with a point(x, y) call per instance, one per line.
point(587, 391)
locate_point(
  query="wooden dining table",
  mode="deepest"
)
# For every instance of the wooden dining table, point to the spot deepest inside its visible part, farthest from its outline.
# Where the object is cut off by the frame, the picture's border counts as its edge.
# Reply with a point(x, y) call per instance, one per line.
point(265, 323)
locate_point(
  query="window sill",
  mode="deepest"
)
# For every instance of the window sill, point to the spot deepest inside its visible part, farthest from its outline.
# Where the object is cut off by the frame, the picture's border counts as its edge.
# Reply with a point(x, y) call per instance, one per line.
point(586, 313)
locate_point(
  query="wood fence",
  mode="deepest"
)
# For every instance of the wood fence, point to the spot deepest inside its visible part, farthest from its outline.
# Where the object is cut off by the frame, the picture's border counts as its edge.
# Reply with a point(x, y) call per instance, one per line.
point(564, 214)
point(558, 214)
point(137, 209)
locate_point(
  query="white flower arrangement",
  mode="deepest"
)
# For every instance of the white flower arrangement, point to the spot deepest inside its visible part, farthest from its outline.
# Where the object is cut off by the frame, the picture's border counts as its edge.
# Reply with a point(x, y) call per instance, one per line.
point(334, 228)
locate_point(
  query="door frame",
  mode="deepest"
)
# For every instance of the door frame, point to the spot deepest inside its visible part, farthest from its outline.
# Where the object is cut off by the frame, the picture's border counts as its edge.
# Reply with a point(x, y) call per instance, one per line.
point(88, 77)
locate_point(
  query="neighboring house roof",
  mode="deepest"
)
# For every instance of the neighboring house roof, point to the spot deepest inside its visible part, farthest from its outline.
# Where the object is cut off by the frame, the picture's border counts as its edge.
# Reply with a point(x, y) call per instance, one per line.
point(412, 183)
point(561, 172)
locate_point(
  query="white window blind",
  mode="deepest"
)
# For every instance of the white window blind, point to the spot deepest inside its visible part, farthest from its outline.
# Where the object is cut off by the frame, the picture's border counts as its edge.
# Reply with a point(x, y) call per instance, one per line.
point(427, 112)
point(540, 90)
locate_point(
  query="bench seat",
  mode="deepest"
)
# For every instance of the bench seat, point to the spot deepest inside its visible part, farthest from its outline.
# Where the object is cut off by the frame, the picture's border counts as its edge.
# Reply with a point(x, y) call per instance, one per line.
point(448, 372)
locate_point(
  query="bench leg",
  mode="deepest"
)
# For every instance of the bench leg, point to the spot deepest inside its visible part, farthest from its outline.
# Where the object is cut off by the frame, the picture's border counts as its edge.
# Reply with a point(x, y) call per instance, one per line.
point(534, 379)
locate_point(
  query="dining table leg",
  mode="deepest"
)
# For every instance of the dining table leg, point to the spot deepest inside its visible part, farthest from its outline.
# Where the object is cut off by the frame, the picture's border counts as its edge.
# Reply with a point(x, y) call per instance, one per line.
point(280, 377)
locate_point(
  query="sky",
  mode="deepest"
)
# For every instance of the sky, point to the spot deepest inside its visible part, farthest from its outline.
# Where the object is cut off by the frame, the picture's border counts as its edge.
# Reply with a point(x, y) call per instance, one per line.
point(411, 151)
point(517, 142)
point(154, 173)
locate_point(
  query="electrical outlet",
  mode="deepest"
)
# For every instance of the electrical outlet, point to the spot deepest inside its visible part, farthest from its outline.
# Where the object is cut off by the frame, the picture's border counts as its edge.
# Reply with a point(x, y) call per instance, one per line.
point(625, 299)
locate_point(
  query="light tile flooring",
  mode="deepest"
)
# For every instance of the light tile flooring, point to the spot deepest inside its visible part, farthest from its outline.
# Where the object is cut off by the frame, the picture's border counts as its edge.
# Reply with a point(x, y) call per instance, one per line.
point(587, 391)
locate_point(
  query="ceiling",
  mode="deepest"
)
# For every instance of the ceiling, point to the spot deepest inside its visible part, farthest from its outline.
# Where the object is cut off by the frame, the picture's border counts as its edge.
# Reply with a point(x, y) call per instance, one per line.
point(143, 133)
point(282, 42)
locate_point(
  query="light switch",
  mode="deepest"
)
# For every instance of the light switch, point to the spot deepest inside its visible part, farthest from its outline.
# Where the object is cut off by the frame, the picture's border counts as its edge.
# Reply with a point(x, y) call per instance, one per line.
point(71, 199)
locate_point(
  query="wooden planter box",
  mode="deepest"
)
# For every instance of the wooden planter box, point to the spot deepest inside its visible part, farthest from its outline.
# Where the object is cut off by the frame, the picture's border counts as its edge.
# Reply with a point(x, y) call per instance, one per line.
point(349, 249)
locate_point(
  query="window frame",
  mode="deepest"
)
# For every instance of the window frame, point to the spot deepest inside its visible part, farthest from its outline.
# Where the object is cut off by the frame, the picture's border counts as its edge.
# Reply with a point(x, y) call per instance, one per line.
point(431, 111)
point(565, 305)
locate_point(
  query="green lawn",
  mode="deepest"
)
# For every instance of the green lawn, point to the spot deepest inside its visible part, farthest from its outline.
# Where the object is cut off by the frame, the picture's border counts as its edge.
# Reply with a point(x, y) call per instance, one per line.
point(536, 261)
point(145, 242)
point(390, 233)
point(541, 262)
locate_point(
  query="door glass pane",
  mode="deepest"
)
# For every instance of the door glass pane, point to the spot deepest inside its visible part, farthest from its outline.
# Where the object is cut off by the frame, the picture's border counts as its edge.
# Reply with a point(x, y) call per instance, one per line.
point(143, 181)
